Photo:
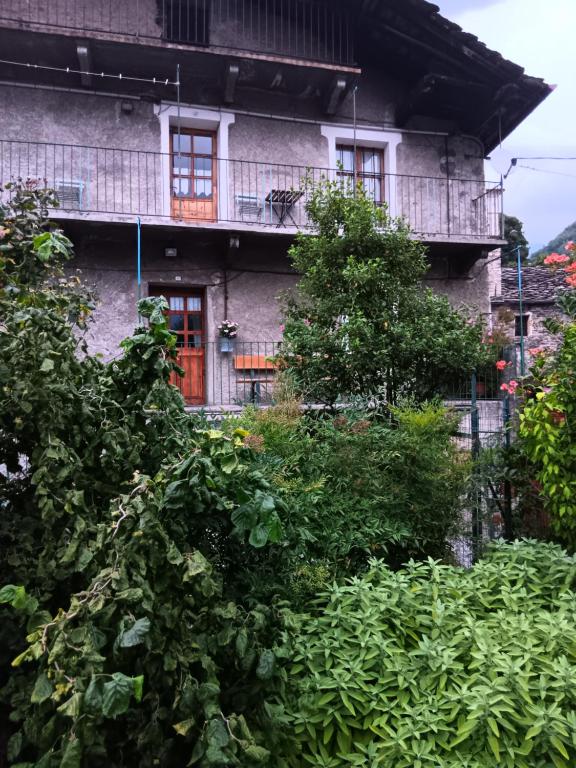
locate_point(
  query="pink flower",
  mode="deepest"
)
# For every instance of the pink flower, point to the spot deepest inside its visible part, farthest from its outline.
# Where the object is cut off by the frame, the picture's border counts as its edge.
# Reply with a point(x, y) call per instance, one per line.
point(571, 280)
point(555, 259)
point(535, 351)
point(282, 329)
point(511, 387)
point(306, 322)
point(501, 364)
point(570, 246)
point(570, 267)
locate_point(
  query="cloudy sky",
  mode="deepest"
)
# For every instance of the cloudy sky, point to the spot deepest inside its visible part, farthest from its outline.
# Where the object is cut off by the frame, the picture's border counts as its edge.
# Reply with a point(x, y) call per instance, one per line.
point(540, 36)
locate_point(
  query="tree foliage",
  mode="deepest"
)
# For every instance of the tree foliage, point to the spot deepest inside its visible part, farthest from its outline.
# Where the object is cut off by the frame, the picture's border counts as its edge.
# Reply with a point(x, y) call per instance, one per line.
point(509, 251)
point(125, 530)
point(437, 667)
point(362, 323)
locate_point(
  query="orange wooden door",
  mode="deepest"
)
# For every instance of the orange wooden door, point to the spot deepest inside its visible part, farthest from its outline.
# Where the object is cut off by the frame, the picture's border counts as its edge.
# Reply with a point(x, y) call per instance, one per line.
point(186, 318)
point(194, 175)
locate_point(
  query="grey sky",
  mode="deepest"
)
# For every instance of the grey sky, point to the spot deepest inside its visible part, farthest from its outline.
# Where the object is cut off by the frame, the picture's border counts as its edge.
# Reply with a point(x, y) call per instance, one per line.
point(539, 36)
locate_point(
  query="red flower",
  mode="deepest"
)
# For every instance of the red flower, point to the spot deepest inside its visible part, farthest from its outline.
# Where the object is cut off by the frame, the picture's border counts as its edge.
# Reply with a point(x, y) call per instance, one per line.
point(554, 259)
point(501, 364)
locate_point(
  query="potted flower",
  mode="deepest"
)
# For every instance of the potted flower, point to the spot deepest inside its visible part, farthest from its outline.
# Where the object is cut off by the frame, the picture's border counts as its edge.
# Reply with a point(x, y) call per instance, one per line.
point(227, 332)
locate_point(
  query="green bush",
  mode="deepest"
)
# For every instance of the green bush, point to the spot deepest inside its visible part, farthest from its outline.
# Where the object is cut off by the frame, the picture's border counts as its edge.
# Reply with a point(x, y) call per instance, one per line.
point(436, 667)
point(357, 485)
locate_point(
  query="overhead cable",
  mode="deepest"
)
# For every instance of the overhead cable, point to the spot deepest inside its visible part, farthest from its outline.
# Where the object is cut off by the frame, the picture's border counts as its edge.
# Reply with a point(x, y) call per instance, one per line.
point(68, 70)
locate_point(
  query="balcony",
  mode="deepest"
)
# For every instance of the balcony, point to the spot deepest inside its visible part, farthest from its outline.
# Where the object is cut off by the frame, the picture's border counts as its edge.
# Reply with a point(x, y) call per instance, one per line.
point(119, 185)
point(314, 30)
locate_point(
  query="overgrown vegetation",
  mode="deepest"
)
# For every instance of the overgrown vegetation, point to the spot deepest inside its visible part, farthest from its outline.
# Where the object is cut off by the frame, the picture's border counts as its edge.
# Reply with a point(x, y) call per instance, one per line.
point(358, 485)
point(439, 667)
point(123, 528)
point(175, 595)
point(362, 324)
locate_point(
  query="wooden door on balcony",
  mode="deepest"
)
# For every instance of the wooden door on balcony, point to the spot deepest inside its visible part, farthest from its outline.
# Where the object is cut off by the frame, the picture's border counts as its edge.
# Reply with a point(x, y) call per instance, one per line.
point(186, 318)
point(194, 175)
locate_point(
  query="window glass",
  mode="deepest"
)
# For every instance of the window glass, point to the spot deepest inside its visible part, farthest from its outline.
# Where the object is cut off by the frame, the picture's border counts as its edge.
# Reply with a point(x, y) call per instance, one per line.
point(203, 189)
point(371, 161)
point(194, 323)
point(203, 145)
point(176, 322)
point(176, 303)
point(181, 142)
point(180, 340)
point(194, 304)
point(181, 187)
point(373, 188)
point(195, 341)
point(522, 328)
point(203, 166)
point(181, 165)
point(346, 158)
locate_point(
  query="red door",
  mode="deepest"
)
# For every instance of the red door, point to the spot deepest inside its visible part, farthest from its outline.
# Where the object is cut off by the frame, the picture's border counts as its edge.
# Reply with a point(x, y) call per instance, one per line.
point(186, 318)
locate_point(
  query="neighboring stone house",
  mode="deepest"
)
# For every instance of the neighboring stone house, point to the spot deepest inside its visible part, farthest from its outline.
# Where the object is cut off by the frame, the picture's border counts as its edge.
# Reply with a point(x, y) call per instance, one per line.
point(540, 287)
point(223, 108)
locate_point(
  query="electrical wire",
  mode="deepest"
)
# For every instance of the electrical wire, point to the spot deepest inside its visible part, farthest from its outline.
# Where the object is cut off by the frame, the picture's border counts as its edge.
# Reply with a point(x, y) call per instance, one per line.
point(166, 82)
point(551, 173)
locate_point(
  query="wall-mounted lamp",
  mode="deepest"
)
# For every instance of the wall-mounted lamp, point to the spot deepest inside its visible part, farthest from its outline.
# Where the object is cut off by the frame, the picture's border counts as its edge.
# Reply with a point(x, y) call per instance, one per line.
point(127, 107)
point(234, 242)
point(170, 253)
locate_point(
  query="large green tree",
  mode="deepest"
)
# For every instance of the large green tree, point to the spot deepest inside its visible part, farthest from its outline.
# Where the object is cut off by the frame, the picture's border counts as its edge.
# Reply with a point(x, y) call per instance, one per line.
point(362, 323)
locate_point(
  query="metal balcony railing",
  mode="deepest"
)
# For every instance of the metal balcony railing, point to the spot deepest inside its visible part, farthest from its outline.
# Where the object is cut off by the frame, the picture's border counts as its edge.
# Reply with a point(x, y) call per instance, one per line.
point(302, 29)
point(228, 375)
point(118, 183)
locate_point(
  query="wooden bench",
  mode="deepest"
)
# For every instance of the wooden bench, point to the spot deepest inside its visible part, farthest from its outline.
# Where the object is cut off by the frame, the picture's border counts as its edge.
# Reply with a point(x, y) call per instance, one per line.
point(257, 370)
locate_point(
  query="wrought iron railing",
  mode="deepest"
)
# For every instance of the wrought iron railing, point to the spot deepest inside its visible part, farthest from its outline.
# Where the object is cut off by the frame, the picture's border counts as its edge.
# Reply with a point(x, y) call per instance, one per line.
point(110, 183)
point(228, 374)
point(303, 29)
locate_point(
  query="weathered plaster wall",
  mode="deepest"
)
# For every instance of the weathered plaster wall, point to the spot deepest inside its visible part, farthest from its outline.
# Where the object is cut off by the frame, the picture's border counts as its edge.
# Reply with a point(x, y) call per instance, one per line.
point(123, 17)
point(469, 286)
point(35, 114)
point(252, 294)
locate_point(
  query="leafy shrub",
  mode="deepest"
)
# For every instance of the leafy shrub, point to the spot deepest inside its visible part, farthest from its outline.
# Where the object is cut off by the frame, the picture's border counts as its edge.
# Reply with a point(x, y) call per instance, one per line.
point(438, 667)
point(547, 427)
point(357, 485)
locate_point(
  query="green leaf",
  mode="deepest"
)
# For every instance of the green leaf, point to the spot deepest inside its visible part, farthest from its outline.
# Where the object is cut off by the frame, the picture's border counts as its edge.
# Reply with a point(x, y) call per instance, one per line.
point(266, 663)
point(116, 695)
point(43, 689)
point(72, 706)
point(184, 727)
point(136, 634)
point(259, 536)
point(72, 757)
point(138, 687)
point(93, 695)
point(47, 365)
point(257, 754)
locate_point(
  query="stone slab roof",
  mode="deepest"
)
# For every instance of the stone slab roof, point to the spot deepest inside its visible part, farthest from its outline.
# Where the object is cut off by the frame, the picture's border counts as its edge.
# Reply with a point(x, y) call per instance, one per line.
point(540, 285)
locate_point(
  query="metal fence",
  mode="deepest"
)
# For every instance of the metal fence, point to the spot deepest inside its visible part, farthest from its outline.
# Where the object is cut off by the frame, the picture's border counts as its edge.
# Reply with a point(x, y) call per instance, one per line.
point(301, 29)
point(119, 182)
point(228, 374)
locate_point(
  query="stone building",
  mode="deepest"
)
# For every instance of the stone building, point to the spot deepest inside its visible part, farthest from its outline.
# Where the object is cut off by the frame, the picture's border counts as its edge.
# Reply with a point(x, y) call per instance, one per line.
point(540, 288)
point(179, 134)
